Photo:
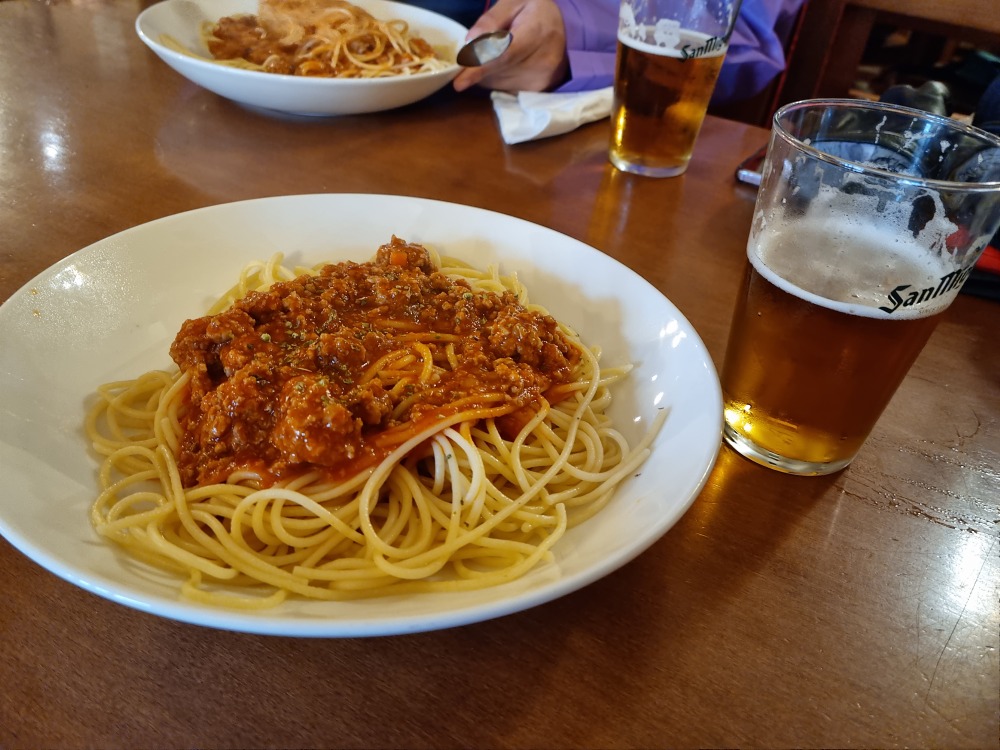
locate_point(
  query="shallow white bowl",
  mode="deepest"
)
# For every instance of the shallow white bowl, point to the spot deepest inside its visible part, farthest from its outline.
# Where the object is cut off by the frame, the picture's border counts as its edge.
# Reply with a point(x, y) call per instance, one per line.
point(110, 311)
point(182, 19)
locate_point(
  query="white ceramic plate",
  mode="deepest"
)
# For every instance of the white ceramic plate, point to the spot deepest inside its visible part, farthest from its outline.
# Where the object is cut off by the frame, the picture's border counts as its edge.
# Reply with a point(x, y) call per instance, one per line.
point(110, 311)
point(181, 19)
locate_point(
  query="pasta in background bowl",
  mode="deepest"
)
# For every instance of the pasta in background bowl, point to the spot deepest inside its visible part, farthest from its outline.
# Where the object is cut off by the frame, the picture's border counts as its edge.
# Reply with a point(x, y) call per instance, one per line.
point(172, 30)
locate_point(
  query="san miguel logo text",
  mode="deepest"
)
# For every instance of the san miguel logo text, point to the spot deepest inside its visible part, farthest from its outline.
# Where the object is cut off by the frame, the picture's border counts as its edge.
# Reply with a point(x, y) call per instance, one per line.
point(899, 297)
point(712, 44)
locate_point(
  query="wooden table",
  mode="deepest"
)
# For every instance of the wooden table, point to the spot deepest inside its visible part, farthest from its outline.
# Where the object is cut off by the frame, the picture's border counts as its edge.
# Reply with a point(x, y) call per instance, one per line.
point(858, 610)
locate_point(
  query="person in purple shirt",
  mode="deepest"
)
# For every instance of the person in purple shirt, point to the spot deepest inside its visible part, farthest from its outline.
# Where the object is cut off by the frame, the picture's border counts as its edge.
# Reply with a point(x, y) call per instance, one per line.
point(569, 45)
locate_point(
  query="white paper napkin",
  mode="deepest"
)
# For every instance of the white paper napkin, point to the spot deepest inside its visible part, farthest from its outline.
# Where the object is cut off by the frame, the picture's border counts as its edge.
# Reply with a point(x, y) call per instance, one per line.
point(530, 115)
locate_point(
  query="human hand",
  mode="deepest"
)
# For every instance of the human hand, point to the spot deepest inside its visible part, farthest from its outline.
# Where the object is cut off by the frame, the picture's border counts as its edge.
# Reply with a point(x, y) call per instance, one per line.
point(536, 59)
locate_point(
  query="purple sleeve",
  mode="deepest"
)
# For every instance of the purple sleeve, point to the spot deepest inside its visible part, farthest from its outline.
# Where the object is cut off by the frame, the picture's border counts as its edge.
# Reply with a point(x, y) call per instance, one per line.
point(756, 53)
point(591, 37)
point(756, 49)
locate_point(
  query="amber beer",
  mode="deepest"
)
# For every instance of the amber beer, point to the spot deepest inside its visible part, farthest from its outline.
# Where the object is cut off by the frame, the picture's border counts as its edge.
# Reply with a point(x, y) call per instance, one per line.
point(660, 99)
point(816, 352)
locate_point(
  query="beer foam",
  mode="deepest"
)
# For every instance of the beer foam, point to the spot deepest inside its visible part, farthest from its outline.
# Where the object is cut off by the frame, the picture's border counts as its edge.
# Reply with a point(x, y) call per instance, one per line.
point(855, 249)
point(866, 271)
point(892, 208)
point(687, 40)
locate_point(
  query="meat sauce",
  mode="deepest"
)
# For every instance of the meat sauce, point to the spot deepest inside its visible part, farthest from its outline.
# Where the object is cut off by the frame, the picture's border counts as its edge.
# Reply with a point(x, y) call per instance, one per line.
point(278, 381)
point(242, 37)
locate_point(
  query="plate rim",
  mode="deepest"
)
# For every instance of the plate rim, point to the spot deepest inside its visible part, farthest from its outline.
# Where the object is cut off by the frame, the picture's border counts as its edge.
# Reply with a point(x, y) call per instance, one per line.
point(264, 622)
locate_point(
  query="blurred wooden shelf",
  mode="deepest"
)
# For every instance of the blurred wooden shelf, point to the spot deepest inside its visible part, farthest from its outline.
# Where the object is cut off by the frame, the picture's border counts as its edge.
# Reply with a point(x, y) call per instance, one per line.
point(833, 34)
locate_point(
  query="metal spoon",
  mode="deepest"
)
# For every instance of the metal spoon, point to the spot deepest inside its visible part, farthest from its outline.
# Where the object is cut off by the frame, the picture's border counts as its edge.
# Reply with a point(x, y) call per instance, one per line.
point(483, 49)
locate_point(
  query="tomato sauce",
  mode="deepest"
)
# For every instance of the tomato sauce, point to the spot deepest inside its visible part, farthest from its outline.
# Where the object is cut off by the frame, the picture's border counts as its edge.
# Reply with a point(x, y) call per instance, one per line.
point(243, 37)
point(279, 384)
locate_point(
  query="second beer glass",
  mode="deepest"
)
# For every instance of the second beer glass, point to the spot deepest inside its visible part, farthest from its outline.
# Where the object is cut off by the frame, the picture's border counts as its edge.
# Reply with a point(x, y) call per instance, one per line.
point(669, 56)
point(869, 219)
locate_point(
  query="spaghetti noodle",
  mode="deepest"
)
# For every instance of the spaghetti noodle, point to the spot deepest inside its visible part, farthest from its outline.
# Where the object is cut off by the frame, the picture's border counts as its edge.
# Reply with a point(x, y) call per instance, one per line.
point(320, 38)
point(406, 424)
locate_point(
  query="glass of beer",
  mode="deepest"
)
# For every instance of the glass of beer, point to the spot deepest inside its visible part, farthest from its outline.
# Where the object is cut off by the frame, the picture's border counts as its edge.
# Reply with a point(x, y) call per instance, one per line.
point(669, 56)
point(868, 221)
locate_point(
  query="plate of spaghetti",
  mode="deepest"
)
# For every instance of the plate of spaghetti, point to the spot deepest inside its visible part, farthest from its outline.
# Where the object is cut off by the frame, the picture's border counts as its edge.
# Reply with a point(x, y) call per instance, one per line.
point(306, 57)
point(346, 415)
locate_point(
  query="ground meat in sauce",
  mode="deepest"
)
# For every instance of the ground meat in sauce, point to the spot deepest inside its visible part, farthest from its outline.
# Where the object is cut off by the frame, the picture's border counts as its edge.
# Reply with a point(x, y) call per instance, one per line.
point(276, 379)
point(243, 37)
